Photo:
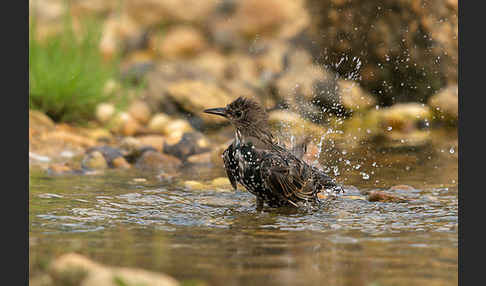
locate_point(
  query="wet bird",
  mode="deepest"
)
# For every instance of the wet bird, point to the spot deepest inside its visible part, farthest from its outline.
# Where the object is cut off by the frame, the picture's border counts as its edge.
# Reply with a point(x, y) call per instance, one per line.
point(274, 174)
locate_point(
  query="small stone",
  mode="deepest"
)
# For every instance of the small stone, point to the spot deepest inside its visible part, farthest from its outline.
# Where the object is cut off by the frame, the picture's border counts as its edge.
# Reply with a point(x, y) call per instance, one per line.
point(221, 182)
point(95, 161)
point(404, 116)
point(353, 97)
point(176, 128)
point(402, 188)
point(150, 13)
point(193, 185)
point(191, 143)
point(159, 122)
point(140, 180)
point(178, 42)
point(75, 269)
point(151, 160)
point(68, 138)
point(380, 196)
point(120, 162)
point(140, 111)
point(124, 124)
point(116, 29)
point(39, 122)
point(111, 87)
point(155, 141)
point(129, 144)
point(59, 168)
point(255, 17)
point(104, 112)
point(99, 134)
point(289, 122)
point(203, 158)
point(195, 96)
point(445, 104)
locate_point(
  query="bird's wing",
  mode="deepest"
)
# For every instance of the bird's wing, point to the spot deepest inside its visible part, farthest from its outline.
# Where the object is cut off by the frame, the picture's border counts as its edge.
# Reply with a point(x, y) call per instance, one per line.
point(289, 180)
point(230, 165)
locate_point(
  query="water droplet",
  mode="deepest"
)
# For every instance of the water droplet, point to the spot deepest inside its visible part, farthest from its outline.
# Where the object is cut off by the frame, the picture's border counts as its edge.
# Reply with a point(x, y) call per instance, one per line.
point(364, 176)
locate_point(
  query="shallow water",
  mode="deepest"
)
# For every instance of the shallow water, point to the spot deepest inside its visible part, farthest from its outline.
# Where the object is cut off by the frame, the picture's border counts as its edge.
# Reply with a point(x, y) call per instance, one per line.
point(216, 235)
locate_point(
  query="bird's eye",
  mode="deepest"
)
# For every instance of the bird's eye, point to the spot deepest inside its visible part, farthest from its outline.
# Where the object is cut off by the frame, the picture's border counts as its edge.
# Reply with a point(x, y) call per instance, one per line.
point(237, 114)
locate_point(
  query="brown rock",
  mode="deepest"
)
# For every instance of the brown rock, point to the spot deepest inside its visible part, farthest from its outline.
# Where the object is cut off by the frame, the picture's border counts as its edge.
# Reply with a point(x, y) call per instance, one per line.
point(221, 182)
point(445, 104)
point(176, 129)
point(190, 144)
point(379, 196)
point(68, 138)
point(95, 161)
point(140, 111)
point(194, 185)
point(123, 123)
point(195, 96)
point(149, 13)
point(59, 168)
point(402, 188)
point(39, 122)
point(104, 112)
point(255, 17)
point(302, 81)
point(403, 117)
point(203, 158)
point(178, 42)
point(151, 160)
point(292, 124)
point(116, 30)
point(159, 122)
point(212, 61)
point(154, 141)
point(353, 97)
point(120, 162)
point(75, 269)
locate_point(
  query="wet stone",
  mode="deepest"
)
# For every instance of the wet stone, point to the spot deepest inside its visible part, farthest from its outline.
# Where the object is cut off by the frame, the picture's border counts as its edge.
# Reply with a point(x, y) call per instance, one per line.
point(151, 160)
point(140, 111)
point(104, 112)
point(120, 162)
point(59, 168)
point(190, 144)
point(75, 269)
point(94, 161)
point(108, 152)
point(380, 196)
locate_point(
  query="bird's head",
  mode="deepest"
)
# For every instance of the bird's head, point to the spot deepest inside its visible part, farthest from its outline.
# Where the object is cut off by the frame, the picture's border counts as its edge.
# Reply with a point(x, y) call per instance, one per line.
point(247, 116)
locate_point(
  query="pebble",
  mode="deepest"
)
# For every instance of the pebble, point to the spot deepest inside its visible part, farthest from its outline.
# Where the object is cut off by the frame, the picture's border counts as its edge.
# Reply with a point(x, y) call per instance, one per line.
point(94, 160)
point(104, 112)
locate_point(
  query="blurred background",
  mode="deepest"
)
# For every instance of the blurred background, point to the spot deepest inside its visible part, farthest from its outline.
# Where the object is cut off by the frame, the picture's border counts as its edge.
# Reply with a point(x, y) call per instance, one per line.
point(319, 59)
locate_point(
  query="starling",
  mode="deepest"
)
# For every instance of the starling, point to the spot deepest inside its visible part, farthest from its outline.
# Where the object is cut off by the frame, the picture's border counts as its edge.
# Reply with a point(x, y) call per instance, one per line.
point(275, 175)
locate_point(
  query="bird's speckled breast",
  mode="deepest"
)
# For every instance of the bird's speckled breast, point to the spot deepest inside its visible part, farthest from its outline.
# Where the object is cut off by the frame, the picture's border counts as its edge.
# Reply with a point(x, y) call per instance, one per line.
point(249, 167)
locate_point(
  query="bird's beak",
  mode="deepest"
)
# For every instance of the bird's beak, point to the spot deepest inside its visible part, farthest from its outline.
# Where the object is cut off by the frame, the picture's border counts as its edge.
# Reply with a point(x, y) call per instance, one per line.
point(217, 111)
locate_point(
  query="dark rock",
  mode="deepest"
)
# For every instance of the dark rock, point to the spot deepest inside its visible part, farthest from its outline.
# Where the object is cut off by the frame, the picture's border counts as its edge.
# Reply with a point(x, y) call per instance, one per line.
point(190, 144)
point(135, 154)
point(109, 153)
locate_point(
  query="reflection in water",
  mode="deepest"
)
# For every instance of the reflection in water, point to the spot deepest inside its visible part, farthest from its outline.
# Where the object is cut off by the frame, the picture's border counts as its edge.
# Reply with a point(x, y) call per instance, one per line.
point(218, 237)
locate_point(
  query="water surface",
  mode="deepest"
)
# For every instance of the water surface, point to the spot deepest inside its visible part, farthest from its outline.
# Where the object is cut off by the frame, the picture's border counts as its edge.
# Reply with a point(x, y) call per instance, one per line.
point(216, 236)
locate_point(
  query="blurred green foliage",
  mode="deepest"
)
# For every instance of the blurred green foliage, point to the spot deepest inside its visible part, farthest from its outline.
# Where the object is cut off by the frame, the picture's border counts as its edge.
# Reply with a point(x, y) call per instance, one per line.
point(67, 73)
